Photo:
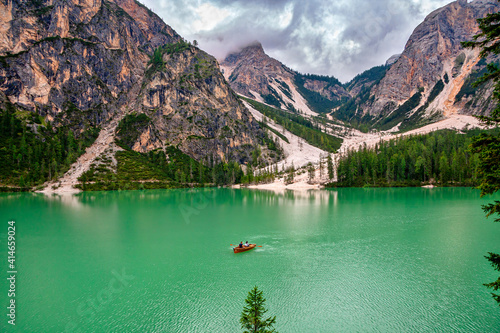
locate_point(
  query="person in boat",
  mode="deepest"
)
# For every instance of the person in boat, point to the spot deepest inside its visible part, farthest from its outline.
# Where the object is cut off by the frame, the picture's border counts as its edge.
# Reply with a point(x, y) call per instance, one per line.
point(246, 244)
point(241, 244)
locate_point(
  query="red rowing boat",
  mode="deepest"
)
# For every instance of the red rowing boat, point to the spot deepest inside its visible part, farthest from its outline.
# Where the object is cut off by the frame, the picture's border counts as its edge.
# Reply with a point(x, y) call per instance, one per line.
point(244, 248)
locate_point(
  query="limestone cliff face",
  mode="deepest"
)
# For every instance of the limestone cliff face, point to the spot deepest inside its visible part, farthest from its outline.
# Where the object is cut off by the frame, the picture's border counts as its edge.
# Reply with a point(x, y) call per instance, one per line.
point(89, 54)
point(252, 73)
point(192, 106)
point(433, 53)
point(24, 23)
point(84, 63)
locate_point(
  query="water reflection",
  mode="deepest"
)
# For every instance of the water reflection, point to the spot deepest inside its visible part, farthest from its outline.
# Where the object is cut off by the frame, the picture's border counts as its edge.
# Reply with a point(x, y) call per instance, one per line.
point(197, 198)
point(66, 199)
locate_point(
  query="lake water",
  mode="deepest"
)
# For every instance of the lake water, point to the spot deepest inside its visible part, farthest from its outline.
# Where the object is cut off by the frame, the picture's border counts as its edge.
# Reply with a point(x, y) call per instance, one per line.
point(347, 260)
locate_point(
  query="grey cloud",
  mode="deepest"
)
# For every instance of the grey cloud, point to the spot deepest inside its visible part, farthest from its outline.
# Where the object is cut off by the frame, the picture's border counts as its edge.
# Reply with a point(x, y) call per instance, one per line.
point(340, 38)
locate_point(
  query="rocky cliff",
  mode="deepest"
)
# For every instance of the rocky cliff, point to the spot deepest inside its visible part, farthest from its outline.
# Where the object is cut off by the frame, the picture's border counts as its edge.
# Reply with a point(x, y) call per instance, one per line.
point(432, 70)
point(191, 106)
point(252, 73)
point(89, 63)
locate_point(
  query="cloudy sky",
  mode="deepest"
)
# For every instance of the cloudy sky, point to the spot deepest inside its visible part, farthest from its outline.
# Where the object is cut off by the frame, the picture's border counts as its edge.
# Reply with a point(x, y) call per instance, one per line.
point(331, 37)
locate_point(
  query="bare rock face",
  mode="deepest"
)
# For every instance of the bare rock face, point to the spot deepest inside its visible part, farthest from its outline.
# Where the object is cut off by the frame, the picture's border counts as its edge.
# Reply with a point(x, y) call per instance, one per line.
point(430, 55)
point(86, 53)
point(192, 107)
point(392, 59)
point(82, 63)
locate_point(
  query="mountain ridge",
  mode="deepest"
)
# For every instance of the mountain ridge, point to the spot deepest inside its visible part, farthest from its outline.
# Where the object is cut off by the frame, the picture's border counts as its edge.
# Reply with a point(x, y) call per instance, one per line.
point(82, 64)
point(116, 67)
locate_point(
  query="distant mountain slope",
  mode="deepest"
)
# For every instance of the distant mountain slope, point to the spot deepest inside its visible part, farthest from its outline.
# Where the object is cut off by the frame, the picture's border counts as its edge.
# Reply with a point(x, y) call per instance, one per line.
point(359, 88)
point(431, 79)
point(322, 92)
point(254, 74)
point(425, 80)
point(366, 79)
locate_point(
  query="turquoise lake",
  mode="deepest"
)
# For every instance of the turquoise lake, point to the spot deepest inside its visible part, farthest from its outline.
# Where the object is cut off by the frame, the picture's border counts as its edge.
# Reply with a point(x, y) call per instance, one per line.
point(346, 260)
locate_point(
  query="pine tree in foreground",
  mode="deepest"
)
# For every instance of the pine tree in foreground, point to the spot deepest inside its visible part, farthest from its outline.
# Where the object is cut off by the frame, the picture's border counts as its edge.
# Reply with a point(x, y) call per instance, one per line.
point(251, 317)
point(488, 146)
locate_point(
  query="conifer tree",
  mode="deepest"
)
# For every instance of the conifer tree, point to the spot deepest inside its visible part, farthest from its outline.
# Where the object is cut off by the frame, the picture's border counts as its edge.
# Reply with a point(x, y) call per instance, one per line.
point(330, 167)
point(311, 172)
point(251, 318)
point(488, 146)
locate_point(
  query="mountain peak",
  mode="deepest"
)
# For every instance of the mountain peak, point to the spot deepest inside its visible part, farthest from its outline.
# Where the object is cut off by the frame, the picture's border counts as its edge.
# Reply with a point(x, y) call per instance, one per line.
point(254, 74)
point(254, 46)
point(250, 50)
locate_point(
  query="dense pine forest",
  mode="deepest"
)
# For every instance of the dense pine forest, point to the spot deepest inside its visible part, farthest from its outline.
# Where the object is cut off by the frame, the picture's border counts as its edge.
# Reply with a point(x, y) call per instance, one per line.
point(442, 158)
point(157, 169)
point(29, 156)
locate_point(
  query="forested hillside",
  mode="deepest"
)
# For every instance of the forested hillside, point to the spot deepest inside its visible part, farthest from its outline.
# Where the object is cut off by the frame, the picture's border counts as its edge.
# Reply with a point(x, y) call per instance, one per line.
point(299, 126)
point(29, 156)
point(442, 158)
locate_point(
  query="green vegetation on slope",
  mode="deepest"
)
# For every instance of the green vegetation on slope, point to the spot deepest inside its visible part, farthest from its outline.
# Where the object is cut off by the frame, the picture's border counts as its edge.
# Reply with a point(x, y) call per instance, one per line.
point(438, 88)
point(299, 126)
point(348, 111)
point(273, 98)
point(156, 63)
point(417, 119)
point(442, 157)
point(28, 159)
point(285, 88)
point(157, 169)
point(281, 136)
point(130, 127)
point(315, 100)
point(372, 75)
point(400, 114)
point(468, 88)
point(164, 169)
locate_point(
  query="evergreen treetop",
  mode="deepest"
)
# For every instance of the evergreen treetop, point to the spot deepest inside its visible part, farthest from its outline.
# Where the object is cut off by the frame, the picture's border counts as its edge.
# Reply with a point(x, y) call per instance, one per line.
point(251, 317)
